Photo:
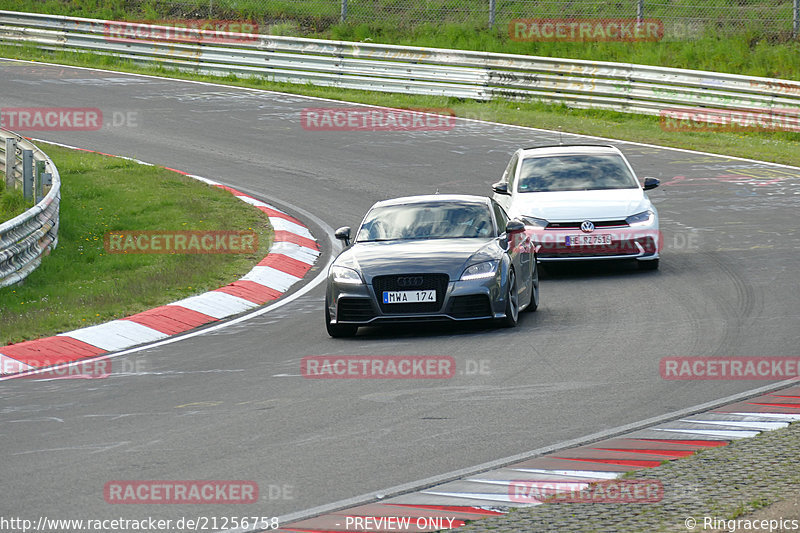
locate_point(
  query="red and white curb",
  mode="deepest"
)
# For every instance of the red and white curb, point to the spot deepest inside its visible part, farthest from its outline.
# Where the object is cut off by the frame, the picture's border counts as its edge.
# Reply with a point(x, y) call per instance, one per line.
point(294, 251)
point(450, 505)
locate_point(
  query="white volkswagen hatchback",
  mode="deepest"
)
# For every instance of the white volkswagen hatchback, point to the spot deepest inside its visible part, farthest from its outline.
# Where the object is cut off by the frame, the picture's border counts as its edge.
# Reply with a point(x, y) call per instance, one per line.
point(581, 202)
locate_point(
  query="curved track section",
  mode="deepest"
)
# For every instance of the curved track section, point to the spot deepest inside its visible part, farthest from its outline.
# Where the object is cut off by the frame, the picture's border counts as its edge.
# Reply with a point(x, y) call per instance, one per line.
point(231, 404)
point(292, 254)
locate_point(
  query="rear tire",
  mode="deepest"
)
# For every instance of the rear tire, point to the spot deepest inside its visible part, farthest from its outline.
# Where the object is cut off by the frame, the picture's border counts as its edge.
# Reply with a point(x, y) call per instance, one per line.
point(512, 302)
point(338, 330)
point(652, 264)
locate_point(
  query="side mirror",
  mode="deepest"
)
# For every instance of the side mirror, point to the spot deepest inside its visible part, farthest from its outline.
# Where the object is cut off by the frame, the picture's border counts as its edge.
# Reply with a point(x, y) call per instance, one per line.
point(515, 226)
point(343, 234)
point(651, 183)
point(501, 187)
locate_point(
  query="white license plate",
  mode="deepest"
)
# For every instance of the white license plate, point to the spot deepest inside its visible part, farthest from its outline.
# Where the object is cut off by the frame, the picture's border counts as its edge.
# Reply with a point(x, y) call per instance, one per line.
point(409, 297)
point(587, 240)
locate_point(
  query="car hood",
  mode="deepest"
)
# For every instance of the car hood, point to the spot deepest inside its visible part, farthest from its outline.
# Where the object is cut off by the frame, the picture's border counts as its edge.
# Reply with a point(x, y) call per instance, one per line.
point(569, 206)
point(449, 256)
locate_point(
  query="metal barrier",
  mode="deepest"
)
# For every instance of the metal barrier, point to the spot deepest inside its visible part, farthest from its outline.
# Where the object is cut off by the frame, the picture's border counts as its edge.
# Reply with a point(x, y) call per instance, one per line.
point(390, 68)
point(26, 238)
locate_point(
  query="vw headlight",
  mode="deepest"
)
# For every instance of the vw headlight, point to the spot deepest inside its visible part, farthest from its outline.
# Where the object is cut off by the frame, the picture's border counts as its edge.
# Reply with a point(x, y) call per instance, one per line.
point(484, 270)
point(345, 275)
point(645, 218)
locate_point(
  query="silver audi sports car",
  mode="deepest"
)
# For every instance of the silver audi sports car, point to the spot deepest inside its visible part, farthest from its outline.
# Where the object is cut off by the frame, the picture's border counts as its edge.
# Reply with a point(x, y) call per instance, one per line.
point(438, 257)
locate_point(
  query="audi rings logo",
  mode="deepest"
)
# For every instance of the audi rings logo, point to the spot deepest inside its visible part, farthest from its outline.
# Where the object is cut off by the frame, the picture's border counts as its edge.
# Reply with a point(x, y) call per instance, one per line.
point(587, 226)
point(409, 281)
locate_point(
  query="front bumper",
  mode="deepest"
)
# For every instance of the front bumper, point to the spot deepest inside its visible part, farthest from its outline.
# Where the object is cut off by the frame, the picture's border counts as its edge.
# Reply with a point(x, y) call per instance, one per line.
point(462, 301)
point(626, 243)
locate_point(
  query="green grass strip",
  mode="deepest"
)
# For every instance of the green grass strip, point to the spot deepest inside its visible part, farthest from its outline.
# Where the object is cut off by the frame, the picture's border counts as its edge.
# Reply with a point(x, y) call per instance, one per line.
point(12, 203)
point(80, 283)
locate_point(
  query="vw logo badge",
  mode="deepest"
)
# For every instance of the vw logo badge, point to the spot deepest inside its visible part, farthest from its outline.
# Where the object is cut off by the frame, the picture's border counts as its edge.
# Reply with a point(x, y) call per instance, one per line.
point(587, 226)
point(409, 281)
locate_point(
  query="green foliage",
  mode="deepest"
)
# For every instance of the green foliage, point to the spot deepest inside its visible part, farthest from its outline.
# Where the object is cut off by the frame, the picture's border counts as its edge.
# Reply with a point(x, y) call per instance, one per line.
point(749, 50)
point(12, 203)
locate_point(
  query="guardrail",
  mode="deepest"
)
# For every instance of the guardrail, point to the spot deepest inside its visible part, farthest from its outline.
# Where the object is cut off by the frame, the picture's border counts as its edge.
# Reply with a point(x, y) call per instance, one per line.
point(390, 68)
point(25, 239)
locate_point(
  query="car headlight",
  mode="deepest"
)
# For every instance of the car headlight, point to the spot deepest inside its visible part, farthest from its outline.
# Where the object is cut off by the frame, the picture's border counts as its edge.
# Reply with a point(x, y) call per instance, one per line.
point(484, 270)
point(538, 223)
point(345, 275)
point(644, 218)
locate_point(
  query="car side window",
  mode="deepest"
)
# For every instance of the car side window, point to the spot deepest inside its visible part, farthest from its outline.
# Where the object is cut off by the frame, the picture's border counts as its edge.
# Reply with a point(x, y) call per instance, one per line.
point(509, 175)
point(501, 217)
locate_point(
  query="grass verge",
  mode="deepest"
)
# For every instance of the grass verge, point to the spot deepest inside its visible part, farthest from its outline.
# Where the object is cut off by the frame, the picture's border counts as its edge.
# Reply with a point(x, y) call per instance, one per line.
point(12, 203)
point(776, 146)
point(80, 283)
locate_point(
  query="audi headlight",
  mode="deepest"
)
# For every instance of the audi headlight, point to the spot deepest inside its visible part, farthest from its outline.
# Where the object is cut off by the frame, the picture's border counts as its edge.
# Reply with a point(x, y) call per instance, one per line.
point(538, 223)
point(645, 218)
point(484, 270)
point(345, 275)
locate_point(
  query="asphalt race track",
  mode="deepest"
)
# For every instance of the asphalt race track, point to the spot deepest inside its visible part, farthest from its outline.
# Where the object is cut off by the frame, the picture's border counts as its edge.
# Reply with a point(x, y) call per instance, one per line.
point(231, 404)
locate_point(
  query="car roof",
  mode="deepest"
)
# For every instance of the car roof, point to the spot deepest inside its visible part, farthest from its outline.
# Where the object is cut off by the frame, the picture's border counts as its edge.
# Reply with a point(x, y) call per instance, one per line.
point(454, 198)
point(569, 149)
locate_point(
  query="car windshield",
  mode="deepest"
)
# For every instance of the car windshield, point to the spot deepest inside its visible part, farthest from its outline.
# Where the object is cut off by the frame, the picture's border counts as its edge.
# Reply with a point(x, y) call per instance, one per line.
point(575, 173)
point(430, 220)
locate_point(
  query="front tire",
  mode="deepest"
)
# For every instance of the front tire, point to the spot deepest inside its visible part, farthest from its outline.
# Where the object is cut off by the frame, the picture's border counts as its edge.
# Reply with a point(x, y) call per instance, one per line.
point(338, 330)
point(534, 305)
point(512, 302)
